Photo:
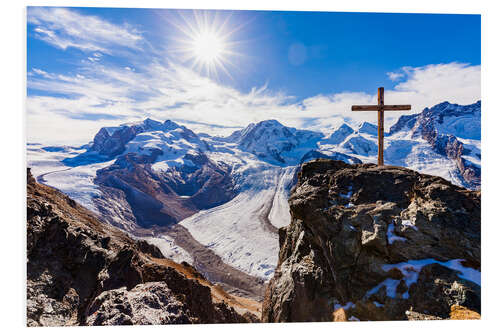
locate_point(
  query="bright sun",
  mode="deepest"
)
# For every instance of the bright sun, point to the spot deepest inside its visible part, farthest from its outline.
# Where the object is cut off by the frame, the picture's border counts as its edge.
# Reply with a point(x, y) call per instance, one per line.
point(206, 41)
point(208, 48)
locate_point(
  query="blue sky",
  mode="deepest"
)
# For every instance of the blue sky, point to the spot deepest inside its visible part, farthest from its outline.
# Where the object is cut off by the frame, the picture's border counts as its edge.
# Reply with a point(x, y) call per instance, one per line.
point(91, 67)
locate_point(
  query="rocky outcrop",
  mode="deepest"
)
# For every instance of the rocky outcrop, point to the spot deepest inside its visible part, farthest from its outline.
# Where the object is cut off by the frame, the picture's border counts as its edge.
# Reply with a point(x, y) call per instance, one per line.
point(376, 242)
point(314, 154)
point(83, 272)
point(151, 303)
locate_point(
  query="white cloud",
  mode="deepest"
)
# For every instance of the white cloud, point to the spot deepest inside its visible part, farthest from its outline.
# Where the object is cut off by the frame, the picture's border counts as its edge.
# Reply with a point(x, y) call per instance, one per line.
point(101, 96)
point(65, 28)
point(394, 76)
point(456, 82)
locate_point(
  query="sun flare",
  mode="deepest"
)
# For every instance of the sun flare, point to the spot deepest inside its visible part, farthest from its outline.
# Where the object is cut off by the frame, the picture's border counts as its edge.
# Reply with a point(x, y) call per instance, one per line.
point(208, 47)
point(206, 41)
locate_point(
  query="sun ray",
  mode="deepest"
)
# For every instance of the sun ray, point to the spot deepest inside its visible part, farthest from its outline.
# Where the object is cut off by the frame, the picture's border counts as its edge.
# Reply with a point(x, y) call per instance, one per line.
point(205, 41)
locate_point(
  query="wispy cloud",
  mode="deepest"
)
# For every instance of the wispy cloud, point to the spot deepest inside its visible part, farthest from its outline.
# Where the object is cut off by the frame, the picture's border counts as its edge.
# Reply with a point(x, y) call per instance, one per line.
point(456, 82)
point(395, 76)
point(101, 95)
point(64, 28)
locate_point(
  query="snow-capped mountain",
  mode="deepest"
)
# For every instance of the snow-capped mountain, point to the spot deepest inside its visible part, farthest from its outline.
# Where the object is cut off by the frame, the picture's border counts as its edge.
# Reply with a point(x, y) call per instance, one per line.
point(453, 131)
point(339, 135)
point(271, 141)
point(229, 194)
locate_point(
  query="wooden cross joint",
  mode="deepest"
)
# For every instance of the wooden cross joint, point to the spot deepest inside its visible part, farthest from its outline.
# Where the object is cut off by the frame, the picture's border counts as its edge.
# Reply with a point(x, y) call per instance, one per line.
point(381, 107)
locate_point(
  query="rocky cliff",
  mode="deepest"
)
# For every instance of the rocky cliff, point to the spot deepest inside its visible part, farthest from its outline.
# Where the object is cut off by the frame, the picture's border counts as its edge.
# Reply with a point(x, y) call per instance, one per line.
point(83, 272)
point(375, 243)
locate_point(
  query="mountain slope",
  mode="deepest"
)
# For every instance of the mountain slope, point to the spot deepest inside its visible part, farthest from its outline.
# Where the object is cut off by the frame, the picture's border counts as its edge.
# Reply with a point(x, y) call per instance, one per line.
point(82, 272)
point(272, 142)
point(453, 131)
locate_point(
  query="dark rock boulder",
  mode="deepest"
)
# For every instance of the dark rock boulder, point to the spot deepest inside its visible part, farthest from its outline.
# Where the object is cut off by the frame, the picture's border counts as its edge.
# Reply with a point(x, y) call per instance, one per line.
point(375, 241)
point(439, 287)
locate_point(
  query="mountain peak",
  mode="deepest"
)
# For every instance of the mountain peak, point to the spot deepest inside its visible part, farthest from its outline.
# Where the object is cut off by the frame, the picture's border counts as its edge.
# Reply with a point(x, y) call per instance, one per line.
point(169, 124)
point(270, 122)
point(368, 128)
point(152, 124)
point(340, 134)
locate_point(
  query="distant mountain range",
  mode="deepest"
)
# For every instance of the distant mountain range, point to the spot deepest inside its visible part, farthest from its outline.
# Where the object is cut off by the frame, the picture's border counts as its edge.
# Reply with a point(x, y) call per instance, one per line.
point(162, 182)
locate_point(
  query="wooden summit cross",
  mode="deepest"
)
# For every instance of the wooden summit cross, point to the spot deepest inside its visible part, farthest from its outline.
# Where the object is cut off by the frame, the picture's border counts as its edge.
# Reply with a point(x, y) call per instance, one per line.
point(381, 107)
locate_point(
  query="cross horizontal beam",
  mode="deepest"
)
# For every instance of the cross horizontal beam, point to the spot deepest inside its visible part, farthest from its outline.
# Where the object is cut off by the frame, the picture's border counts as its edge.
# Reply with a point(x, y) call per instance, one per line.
point(381, 107)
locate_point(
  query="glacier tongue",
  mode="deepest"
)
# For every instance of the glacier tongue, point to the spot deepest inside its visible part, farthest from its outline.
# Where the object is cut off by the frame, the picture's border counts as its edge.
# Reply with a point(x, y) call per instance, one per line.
point(280, 211)
point(243, 232)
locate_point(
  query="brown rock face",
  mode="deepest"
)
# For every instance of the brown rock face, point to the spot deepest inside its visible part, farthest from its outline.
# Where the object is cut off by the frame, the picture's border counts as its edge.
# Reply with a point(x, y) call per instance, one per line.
point(377, 242)
point(83, 272)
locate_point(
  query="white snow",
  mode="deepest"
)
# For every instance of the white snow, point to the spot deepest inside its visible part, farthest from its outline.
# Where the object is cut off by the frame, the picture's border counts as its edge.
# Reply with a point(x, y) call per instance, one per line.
point(390, 285)
point(411, 269)
point(349, 193)
point(409, 223)
point(466, 127)
point(169, 249)
point(172, 144)
point(236, 230)
point(391, 236)
point(346, 306)
point(42, 161)
point(78, 182)
point(280, 211)
point(235, 233)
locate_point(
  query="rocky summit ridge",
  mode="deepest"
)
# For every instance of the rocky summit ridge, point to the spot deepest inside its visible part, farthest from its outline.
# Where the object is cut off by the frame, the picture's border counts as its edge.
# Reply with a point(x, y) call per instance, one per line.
point(81, 271)
point(375, 243)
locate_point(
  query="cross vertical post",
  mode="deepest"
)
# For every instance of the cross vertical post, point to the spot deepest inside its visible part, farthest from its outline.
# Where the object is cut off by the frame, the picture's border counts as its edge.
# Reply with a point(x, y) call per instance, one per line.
point(381, 126)
point(381, 108)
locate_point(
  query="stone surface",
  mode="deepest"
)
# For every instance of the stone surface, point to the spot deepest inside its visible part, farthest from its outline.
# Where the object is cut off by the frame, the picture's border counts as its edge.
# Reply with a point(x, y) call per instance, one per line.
point(151, 303)
point(375, 241)
point(459, 312)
